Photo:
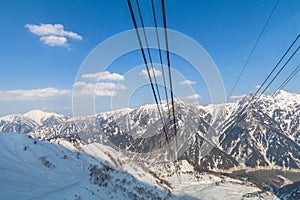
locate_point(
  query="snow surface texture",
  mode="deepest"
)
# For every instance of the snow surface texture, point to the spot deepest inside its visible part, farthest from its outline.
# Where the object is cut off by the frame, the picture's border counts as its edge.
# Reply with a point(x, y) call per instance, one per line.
point(32, 169)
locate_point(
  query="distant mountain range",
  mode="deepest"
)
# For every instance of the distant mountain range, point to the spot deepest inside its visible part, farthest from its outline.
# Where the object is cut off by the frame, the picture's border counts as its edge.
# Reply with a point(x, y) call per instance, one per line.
point(267, 135)
point(221, 138)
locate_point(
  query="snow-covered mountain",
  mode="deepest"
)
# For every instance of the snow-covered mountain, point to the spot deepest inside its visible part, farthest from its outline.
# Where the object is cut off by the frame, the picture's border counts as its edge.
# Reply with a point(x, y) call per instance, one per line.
point(29, 121)
point(263, 136)
point(267, 135)
point(284, 108)
point(17, 123)
point(45, 118)
point(40, 170)
point(33, 169)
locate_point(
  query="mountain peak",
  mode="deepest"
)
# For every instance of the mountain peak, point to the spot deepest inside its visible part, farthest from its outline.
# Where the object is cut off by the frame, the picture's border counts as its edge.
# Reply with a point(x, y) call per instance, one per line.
point(286, 93)
point(39, 115)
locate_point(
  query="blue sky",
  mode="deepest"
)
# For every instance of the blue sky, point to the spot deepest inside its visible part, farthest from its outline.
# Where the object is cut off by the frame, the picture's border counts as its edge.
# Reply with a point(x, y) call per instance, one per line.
point(38, 71)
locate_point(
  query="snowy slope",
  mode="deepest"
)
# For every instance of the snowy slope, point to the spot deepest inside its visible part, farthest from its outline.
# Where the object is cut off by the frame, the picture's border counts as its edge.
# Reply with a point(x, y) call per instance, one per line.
point(284, 108)
point(32, 169)
point(186, 182)
point(17, 123)
point(38, 170)
point(266, 134)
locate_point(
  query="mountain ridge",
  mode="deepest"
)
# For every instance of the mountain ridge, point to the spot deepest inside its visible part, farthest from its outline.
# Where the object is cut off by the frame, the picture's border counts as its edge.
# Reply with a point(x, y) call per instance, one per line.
point(257, 139)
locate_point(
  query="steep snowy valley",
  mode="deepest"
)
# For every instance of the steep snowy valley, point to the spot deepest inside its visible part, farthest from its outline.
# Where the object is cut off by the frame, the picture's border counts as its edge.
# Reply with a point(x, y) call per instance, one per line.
point(32, 169)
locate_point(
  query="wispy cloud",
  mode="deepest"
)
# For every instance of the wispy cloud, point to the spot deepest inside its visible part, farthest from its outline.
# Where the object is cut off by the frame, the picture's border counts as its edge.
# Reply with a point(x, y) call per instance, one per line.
point(98, 89)
point(192, 97)
point(49, 93)
point(34, 94)
point(187, 82)
point(53, 34)
point(156, 72)
point(104, 76)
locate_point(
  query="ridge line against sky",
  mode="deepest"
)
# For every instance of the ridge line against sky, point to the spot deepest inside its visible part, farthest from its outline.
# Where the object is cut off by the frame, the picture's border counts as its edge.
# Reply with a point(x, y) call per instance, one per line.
point(41, 51)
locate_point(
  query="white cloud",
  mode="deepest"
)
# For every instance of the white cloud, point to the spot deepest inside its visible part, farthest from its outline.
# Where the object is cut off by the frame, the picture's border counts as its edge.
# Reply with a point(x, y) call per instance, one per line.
point(52, 40)
point(52, 34)
point(187, 82)
point(156, 72)
point(104, 76)
point(52, 29)
point(80, 84)
point(101, 88)
point(192, 97)
point(237, 97)
point(98, 89)
point(32, 95)
point(257, 87)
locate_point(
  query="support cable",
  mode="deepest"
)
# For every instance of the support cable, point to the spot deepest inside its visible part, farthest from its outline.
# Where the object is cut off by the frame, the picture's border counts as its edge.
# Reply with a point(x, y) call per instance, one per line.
point(252, 50)
point(287, 80)
point(169, 70)
point(147, 67)
point(160, 58)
